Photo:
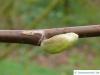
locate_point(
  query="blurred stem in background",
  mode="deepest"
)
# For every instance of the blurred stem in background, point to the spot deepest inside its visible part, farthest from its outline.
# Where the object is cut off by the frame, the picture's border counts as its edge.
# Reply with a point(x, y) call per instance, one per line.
point(8, 52)
point(5, 13)
point(46, 12)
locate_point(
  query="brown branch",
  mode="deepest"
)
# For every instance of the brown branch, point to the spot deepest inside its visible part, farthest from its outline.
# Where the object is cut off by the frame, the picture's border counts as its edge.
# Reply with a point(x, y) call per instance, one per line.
point(34, 36)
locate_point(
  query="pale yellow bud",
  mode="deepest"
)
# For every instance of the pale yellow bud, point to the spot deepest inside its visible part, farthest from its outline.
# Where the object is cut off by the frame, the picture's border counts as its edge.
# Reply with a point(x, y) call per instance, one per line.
point(59, 43)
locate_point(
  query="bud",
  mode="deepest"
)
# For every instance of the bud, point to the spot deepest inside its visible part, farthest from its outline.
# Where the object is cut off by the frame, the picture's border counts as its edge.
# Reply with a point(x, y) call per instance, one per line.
point(59, 43)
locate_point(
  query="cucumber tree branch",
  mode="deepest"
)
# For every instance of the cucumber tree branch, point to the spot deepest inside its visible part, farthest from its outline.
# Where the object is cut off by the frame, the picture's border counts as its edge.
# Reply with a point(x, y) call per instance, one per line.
point(36, 36)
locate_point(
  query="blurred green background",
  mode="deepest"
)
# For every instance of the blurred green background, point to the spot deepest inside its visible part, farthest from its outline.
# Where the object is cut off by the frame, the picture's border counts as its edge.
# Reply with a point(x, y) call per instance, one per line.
point(20, 59)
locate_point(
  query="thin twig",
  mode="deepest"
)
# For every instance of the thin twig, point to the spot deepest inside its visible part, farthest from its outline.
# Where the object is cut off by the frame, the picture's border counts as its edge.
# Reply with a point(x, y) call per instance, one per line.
point(34, 36)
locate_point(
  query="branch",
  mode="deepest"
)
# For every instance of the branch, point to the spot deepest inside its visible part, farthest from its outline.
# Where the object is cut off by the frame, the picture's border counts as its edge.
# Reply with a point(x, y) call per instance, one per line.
point(35, 36)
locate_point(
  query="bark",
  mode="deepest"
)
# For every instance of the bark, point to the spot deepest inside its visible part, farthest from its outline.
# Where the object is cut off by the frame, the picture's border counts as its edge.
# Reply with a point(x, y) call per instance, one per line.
point(35, 37)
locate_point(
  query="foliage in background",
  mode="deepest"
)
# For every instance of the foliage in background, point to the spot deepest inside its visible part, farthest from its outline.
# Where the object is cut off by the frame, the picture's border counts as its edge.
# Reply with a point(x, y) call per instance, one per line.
point(31, 14)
